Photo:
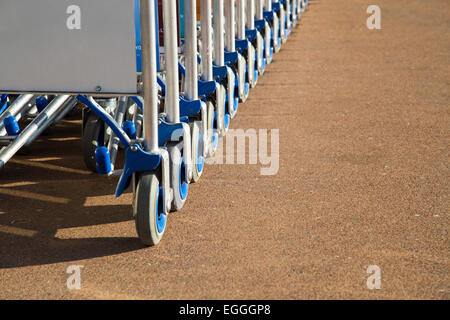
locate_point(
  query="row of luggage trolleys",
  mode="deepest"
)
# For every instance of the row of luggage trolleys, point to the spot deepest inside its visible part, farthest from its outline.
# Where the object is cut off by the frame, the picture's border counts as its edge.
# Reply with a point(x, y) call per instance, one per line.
point(196, 62)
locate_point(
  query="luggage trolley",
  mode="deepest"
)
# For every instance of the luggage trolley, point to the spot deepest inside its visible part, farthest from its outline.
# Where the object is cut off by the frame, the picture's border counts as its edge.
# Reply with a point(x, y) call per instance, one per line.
point(211, 91)
point(103, 68)
point(223, 73)
point(294, 12)
point(256, 41)
point(165, 115)
point(270, 14)
point(264, 29)
point(304, 5)
point(233, 57)
point(278, 9)
point(244, 46)
point(174, 134)
point(202, 92)
point(102, 143)
point(284, 19)
point(191, 106)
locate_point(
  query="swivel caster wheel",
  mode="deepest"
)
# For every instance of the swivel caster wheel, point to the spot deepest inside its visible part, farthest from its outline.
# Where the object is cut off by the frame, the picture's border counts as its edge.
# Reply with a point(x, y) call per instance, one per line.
point(243, 86)
point(197, 151)
point(221, 123)
point(225, 125)
point(231, 100)
point(150, 216)
point(94, 136)
point(235, 107)
point(213, 136)
point(178, 176)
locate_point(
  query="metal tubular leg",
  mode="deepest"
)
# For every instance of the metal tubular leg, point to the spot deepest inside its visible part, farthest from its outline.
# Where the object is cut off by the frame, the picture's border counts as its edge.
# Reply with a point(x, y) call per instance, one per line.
point(206, 54)
point(53, 118)
point(260, 15)
point(249, 13)
point(240, 20)
point(219, 60)
point(32, 128)
point(259, 9)
point(14, 109)
point(250, 21)
point(276, 31)
point(230, 32)
point(283, 23)
point(191, 79)
point(172, 96)
point(219, 50)
point(243, 85)
point(294, 12)
point(190, 33)
point(206, 27)
point(149, 73)
point(218, 24)
point(150, 93)
point(289, 15)
point(172, 101)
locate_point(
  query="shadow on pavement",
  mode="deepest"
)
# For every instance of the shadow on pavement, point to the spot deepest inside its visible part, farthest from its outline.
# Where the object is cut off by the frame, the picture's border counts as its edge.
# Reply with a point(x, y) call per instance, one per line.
point(50, 191)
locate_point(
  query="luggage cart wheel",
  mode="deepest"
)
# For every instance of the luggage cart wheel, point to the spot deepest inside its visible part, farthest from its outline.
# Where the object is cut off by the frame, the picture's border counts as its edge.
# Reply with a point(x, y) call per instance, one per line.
point(178, 176)
point(213, 135)
point(197, 151)
point(150, 216)
point(93, 137)
point(226, 121)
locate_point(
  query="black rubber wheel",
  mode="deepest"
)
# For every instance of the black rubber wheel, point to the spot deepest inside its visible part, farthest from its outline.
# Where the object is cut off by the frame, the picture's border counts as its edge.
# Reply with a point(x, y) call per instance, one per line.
point(93, 137)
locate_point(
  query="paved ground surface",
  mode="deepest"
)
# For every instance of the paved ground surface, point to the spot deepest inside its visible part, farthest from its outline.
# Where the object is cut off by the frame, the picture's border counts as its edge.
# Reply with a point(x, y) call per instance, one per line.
point(363, 180)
